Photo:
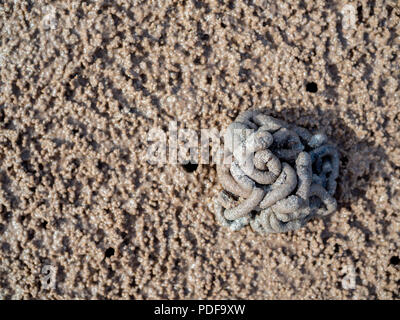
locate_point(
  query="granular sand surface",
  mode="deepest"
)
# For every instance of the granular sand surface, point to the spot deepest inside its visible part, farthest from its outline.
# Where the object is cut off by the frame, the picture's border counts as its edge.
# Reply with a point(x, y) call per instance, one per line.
point(83, 82)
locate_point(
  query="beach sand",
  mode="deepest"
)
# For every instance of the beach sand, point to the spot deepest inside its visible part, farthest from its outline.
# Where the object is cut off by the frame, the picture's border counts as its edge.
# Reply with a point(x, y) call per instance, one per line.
point(83, 215)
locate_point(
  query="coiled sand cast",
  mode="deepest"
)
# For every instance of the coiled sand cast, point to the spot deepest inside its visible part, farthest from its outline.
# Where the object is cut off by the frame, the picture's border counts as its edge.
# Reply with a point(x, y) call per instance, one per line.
point(276, 176)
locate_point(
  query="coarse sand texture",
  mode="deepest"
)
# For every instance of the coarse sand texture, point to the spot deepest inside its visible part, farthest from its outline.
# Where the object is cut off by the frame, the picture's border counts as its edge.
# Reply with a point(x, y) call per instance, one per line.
point(84, 215)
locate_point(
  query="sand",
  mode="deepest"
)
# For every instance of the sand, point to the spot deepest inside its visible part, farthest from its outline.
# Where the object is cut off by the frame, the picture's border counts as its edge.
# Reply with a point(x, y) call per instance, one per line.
point(83, 215)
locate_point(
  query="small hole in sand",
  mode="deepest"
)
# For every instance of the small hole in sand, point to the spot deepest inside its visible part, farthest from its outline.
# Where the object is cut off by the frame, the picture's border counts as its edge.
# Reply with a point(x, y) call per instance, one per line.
point(311, 87)
point(109, 252)
point(205, 37)
point(190, 167)
point(394, 260)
